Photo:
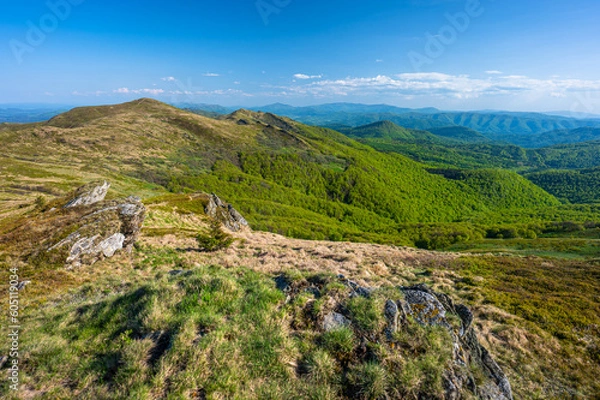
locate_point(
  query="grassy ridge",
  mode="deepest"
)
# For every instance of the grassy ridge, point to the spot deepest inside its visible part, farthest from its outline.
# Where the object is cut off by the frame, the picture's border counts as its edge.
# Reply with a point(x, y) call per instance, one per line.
point(286, 177)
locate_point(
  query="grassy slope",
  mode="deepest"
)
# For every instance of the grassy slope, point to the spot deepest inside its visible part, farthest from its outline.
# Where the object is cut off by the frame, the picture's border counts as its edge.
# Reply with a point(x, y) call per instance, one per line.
point(287, 177)
point(128, 328)
point(89, 332)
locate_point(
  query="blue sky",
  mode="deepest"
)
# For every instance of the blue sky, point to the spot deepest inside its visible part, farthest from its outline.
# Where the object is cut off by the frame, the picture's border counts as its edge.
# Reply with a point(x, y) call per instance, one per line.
point(451, 54)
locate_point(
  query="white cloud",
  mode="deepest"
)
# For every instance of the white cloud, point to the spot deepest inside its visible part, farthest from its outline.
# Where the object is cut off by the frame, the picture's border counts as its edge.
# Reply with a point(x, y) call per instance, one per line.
point(494, 72)
point(211, 74)
point(125, 90)
point(379, 60)
point(442, 85)
point(304, 76)
point(168, 79)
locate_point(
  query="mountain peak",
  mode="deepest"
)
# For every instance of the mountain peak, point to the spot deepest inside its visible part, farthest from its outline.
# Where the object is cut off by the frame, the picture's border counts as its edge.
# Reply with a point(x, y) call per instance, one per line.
point(81, 116)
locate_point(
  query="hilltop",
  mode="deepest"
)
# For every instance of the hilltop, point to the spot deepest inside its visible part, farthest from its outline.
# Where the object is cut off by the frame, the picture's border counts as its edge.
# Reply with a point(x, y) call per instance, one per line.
point(287, 177)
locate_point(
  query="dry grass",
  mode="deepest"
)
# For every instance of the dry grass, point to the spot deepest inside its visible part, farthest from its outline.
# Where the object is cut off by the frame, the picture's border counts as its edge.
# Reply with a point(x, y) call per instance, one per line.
point(271, 253)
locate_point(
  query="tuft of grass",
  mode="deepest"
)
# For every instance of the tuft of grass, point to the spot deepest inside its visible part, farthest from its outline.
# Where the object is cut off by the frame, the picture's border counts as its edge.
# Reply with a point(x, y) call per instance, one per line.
point(366, 313)
point(369, 381)
point(321, 367)
point(339, 342)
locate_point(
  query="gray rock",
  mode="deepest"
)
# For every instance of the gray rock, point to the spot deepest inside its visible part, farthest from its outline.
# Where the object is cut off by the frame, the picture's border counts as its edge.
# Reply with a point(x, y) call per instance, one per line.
point(88, 195)
point(102, 230)
point(357, 290)
point(282, 283)
point(225, 213)
point(466, 317)
point(334, 320)
point(3, 361)
point(391, 312)
point(425, 307)
point(110, 245)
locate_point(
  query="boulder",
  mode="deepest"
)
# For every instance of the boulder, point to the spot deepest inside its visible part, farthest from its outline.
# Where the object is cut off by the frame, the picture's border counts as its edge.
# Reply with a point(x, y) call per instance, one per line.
point(88, 194)
point(430, 308)
point(99, 231)
point(427, 308)
point(225, 213)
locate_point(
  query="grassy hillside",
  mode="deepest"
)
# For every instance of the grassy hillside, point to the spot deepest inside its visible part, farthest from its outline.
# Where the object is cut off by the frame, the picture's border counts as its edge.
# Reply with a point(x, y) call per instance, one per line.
point(170, 321)
point(286, 177)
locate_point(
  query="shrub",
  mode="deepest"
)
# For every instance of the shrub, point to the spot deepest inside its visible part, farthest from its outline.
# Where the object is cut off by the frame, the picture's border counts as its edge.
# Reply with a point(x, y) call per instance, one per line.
point(216, 239)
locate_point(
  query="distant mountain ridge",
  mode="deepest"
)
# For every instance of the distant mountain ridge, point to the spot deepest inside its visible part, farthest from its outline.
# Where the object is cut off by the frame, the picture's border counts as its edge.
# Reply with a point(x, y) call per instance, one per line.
point(512, 127)
point(526, 129)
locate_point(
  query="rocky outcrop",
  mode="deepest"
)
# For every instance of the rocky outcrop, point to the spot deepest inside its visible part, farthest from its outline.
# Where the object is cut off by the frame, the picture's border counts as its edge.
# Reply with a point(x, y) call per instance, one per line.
point(88, 194)
point(225, 213)
point(104, 229)
point(430, 308)
point(411, 305)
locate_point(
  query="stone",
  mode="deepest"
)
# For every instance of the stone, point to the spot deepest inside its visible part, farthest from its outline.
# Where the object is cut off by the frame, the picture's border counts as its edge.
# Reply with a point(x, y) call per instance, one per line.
point(102, 229)
point(225, 213)
point(110, 245)
point(466, 317)
point(88, 195)
point(334, 320)
point(425, 307)
point(357, 290)
point(391, 313)
point(282, 283)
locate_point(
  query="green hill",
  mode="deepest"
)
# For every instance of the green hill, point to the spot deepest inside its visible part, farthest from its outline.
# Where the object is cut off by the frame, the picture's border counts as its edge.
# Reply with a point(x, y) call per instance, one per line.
point(497, 125)
point(555, 137)
point(388, 130)
point(285, 176)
